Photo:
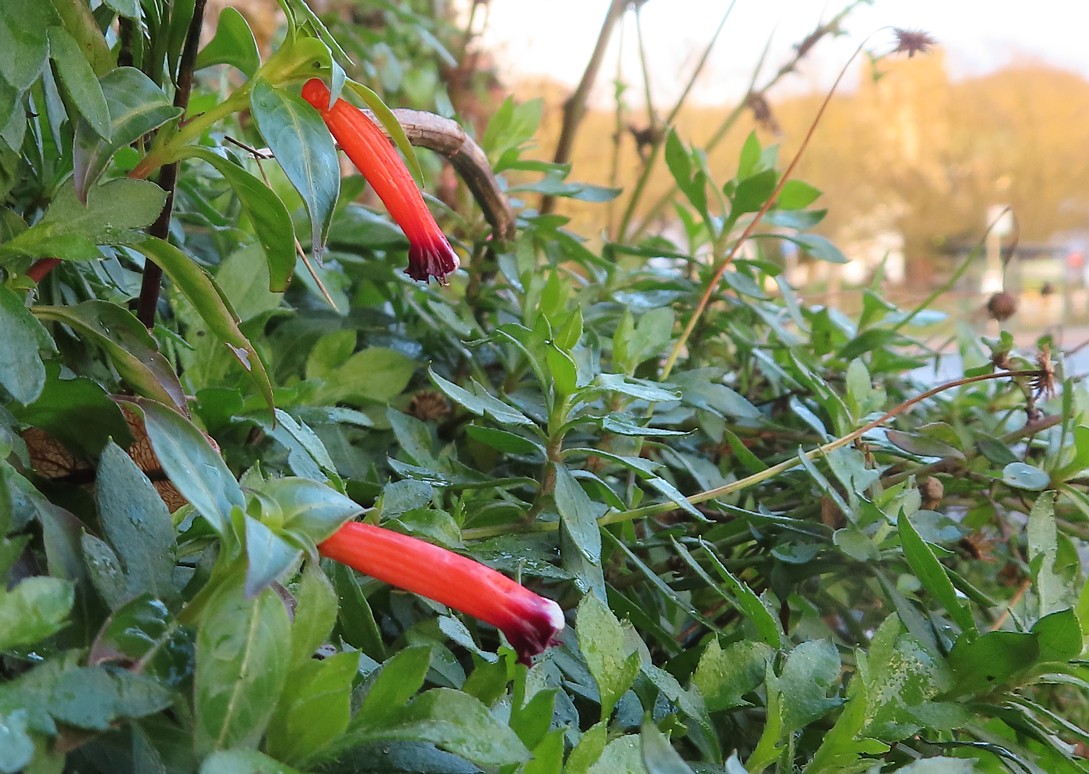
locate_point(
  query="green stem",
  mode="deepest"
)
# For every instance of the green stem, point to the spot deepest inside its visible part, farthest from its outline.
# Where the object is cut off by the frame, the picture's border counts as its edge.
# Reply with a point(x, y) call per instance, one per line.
point(619, 517)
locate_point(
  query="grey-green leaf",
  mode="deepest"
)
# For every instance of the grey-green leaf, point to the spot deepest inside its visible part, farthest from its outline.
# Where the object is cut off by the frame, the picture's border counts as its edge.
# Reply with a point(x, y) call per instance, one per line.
point(78, 79)
point(270, 218)
point(194, 467)
point(136, 106)
point(22, 372)
point(232, 44)
point(304, 149)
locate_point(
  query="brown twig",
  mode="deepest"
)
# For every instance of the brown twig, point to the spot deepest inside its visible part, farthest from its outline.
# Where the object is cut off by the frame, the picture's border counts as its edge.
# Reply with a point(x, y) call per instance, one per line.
point(575, 106)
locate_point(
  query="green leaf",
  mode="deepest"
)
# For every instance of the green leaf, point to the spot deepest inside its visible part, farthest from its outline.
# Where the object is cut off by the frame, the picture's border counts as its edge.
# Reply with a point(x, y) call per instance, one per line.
point(1022, 476)
point(753, 192)
point(636, 388)
point(269, 217)
point(1059, 635)
point(563, 369)
point(267, 554)
point(578, 514)
point(932, 575)
point(243, 650)
point(112, 216)
point(810, 672)
point(77, 412)
point(78, 79)
point(658, 755)
point(143, 631)
point(22, 372)
point(609, 656)
point(314, 707)
point(244, 762)
point(23, 28)
point(992, 661)
point(304, 149)
point(621, 424)
point(36, 608)
point(452, 721)
point(901, 678)
point(375, 375)
point(725, 675)
point(16, 745)
point(796, 195)
point(480, 401)
point(210, 303)
point(747, 601)
point(93, 698)
point(132, 350)
point(137, 106)
point(396, 682)
point(233, 44)
point(315, 613)
point(1051, 588)
point(136, 523)
point(504, 441)
point(193, 466)
point(309, 508)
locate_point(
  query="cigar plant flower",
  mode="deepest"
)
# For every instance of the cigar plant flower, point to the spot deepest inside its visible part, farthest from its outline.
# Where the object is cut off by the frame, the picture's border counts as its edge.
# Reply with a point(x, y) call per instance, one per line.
point(429, 252)
point(530, 622)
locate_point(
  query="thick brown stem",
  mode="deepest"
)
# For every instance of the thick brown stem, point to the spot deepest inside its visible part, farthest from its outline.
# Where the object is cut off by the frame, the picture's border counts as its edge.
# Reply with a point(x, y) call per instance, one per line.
point(168, 177)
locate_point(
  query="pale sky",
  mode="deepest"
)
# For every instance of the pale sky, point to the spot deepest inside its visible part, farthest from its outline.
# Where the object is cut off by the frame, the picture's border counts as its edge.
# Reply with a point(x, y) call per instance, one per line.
point(555, 38)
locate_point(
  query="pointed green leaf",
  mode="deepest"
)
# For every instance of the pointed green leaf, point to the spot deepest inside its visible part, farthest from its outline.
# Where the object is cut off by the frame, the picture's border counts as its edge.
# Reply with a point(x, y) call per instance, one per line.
point(213, 307)
point(131, 349)
point(232, 44)
point(304, 149)
point(194, 467)
point(243, 650)
point(78, 79)
point(136, 106)
point(269, 217)
point(22, 372)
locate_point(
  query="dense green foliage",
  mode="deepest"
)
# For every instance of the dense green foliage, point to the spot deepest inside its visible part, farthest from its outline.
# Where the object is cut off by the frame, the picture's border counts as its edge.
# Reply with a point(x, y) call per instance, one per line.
point(762, 569)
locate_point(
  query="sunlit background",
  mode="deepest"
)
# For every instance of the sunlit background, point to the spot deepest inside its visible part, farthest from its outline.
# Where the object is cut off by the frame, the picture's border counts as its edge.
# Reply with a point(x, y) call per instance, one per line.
point(917, 156)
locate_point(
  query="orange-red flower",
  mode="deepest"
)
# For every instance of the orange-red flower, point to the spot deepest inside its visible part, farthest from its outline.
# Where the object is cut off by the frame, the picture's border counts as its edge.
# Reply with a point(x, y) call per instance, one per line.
point(530, 622)
point(429, 252)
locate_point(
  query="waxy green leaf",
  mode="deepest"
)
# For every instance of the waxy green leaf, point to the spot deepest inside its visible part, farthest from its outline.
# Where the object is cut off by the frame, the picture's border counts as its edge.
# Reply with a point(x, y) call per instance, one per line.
point(136, 106)
point(213, 307)
point(304, 149)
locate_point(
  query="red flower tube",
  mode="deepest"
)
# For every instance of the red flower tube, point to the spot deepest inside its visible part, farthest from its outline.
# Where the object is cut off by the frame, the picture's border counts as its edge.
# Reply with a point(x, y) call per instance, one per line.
point(429, 252)
point(530, 622)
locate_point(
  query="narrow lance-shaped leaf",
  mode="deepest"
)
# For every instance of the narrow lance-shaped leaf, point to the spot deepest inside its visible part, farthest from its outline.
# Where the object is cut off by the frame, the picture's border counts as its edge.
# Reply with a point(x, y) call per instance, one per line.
point(211, 305)
point(131, 349)
point(79, 81)
point(193, 465)
point(304, 149)
point(232, 44)
point(270, 218)
point(136, 106)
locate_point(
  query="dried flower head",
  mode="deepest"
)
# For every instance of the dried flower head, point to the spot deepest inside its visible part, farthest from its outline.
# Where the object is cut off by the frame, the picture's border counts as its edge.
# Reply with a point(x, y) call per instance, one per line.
point(912, 42)
point(428, 405)
point(1002, 306)
point(1043, 382)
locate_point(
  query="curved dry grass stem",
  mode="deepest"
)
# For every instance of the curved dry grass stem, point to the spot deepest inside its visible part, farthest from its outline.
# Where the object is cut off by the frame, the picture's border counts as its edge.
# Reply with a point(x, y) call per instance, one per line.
point(619, 517)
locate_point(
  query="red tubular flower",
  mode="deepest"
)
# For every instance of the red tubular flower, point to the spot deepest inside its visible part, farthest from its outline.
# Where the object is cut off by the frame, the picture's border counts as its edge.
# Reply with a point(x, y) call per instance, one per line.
point(429, 253)
point(529, 621)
